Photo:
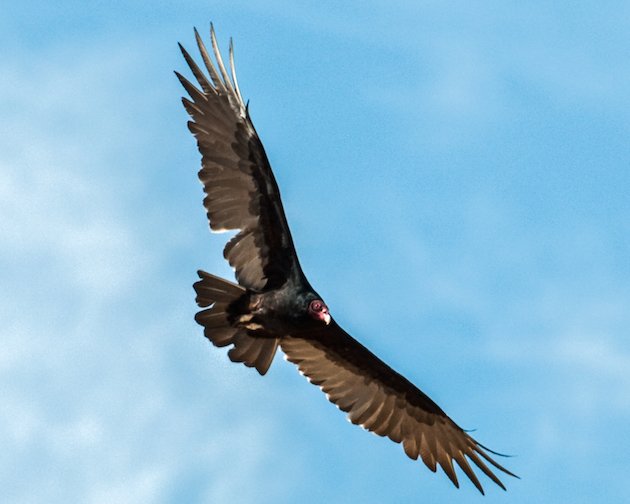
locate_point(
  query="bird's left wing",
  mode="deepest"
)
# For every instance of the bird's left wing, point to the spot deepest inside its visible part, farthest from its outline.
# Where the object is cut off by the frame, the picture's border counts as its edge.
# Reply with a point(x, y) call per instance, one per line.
point(386, 403)
point(241, 191)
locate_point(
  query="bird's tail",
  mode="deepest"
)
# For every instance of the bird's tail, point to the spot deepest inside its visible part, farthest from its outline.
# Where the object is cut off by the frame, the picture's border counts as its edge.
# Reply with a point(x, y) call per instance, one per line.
point(219, 294)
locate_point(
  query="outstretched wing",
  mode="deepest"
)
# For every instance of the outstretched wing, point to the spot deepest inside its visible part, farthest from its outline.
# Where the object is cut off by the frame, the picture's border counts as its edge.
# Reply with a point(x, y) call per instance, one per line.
point(241, 191)
point(386, 403)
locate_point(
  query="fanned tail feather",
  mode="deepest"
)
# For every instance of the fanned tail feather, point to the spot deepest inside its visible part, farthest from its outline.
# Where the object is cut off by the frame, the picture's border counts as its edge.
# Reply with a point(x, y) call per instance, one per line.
point(217, 295)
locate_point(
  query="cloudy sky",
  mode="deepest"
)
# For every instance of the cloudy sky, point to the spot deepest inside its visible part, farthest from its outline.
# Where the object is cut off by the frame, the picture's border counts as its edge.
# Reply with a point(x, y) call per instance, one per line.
point(457, 179)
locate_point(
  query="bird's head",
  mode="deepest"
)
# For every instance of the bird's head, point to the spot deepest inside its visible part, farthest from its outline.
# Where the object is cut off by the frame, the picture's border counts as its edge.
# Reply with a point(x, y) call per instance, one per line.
point(318, 310)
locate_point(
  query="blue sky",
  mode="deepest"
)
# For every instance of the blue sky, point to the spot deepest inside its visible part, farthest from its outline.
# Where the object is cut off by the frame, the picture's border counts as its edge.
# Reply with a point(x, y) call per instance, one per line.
point(456, 178)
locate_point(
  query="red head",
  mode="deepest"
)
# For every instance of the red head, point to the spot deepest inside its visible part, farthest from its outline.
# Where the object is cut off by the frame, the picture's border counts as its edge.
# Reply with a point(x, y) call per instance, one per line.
point(319, 311)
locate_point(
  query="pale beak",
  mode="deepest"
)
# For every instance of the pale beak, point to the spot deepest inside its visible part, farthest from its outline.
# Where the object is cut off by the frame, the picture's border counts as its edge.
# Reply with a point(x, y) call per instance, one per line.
point(326, 317)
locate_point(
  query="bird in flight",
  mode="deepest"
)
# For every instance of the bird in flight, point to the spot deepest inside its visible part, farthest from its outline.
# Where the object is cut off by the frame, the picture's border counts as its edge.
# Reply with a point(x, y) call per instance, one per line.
point(273, 305)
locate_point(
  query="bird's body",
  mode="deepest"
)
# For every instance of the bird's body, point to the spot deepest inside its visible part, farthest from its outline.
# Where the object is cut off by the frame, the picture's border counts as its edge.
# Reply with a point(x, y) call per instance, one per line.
point(273, 305)
point(275, 313)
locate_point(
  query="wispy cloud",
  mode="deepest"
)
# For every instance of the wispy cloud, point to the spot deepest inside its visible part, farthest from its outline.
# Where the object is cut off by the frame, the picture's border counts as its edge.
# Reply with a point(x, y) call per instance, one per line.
point(89, 413)
point(460, 202)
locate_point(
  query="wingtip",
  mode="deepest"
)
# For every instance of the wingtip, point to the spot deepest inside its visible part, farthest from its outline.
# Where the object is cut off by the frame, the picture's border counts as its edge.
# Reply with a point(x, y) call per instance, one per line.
point(213, 34)
point(495, 464)
point(183, 51)
point(501, 485)
point(492, 451)
point(184, 82)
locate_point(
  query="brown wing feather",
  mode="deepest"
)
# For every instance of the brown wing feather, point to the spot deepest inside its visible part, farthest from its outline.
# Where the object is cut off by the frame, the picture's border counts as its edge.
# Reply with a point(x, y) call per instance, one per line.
point(384, 402)
point(241, 191)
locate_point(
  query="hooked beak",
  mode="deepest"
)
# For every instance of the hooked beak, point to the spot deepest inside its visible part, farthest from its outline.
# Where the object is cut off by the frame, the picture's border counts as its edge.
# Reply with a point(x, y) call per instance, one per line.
point(326, 317)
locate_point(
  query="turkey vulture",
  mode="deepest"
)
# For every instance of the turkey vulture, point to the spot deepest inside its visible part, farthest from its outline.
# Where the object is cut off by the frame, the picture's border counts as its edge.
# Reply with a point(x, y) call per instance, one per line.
point(273, 303)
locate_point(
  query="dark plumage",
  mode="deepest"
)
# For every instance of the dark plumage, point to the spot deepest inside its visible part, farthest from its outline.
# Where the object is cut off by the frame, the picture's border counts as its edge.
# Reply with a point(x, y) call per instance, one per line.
point(274, 304)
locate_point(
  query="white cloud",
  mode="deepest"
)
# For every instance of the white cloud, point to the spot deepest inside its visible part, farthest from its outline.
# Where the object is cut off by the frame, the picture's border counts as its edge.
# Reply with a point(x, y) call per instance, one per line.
point(59, 207)
point(90, 411)
point(109, 392)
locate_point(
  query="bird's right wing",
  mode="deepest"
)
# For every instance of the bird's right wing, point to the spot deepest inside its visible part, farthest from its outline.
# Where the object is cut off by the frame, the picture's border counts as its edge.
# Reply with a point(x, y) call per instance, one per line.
point(241, 191)
point(386, 403)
